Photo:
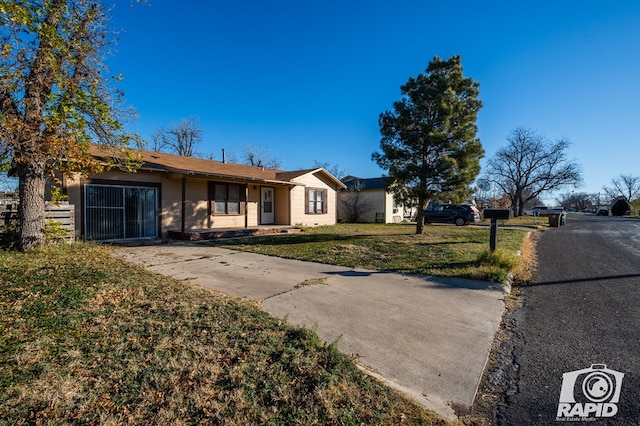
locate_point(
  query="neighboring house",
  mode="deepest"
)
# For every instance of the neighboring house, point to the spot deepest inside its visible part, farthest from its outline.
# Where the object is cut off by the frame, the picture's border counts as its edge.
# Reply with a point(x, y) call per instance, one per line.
point(186, 194)
point(7, 198)
point(370, 200)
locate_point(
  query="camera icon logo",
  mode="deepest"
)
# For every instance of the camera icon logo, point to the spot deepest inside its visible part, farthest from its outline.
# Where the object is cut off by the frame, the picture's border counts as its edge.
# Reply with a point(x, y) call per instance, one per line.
point(590, 392)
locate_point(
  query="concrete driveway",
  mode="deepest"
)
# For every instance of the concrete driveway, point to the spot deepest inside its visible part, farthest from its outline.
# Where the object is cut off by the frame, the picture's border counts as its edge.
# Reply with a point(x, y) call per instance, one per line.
point(426, 336)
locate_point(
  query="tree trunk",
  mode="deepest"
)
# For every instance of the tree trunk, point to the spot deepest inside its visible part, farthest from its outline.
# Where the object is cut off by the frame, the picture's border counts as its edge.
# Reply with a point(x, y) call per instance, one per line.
point(520, 207)
point(516, 203)
point(420, 217)
point(32, 180)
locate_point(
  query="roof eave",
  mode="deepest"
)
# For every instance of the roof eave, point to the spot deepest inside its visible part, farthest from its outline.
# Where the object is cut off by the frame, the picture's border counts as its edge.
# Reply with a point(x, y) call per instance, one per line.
point(231, 177)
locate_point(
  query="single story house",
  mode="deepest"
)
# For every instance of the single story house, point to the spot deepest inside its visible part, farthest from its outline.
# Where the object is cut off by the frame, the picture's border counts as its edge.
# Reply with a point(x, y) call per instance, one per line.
point(370, 200)
point(186, 194)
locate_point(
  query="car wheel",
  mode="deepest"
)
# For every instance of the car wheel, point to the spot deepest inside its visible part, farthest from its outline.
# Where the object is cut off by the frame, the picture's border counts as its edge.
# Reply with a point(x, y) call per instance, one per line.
point(460, 221)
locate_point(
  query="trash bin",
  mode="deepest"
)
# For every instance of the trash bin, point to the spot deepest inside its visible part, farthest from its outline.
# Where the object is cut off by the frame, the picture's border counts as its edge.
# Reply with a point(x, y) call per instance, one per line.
point(554, 219)
point(563, 219)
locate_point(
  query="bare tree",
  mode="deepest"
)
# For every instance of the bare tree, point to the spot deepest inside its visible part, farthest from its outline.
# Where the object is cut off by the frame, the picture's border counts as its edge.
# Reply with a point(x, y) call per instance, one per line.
point(259, 157)
point(157, 143)
point(529, 166)
point(578, 201)
point(482, 192)
point(353, 204)
point(335, 170)
point(626, 186)
point(182, 139)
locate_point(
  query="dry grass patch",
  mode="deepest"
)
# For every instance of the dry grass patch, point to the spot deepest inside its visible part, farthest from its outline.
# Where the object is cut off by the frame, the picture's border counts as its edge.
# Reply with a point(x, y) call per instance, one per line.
point(523, 273)
point(88, 339)
point(313, 281)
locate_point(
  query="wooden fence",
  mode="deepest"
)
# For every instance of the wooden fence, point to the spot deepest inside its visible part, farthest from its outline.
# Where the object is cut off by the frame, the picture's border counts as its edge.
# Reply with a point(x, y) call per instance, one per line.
point(59, 219)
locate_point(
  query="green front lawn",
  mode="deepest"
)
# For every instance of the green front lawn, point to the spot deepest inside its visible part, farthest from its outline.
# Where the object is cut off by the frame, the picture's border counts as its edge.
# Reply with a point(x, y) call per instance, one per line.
point(443, 250)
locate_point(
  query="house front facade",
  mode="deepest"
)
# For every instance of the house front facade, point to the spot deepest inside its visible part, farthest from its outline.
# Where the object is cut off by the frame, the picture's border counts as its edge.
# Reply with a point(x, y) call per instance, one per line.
point(369, 200)
point(171, 193)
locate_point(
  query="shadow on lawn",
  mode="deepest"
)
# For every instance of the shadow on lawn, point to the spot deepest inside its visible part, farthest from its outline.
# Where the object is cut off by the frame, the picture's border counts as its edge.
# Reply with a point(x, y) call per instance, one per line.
point(452, 242)
point(288, 239)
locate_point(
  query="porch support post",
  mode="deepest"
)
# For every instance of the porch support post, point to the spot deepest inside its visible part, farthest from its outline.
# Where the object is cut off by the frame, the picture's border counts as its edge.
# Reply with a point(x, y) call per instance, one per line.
point(246, 206)
point(184, 203)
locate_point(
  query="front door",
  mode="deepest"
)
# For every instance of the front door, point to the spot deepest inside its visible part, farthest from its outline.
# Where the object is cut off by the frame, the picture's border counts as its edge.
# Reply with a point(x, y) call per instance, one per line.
point(267, 215)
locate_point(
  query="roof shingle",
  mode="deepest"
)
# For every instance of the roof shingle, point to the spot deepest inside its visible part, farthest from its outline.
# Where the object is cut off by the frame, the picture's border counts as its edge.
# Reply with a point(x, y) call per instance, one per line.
point(171, 163)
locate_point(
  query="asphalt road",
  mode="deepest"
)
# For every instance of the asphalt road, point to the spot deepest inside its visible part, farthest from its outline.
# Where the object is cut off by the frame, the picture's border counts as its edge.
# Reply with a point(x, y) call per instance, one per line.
point(582, 309)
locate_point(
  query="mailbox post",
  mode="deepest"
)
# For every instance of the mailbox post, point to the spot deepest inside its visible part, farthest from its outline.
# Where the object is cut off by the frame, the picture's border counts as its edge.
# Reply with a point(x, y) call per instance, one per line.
point(494, 215)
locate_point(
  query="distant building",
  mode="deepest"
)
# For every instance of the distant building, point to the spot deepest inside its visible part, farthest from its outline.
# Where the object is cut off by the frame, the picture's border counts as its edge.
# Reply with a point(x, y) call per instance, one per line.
point(370, 200)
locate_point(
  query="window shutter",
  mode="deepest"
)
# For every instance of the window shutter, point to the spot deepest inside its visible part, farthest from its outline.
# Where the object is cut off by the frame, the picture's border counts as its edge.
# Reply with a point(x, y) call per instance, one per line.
point(325, 201)
point(306, 201)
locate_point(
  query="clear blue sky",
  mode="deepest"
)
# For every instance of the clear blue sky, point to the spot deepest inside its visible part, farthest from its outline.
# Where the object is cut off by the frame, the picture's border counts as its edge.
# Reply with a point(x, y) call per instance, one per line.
point(307, 79)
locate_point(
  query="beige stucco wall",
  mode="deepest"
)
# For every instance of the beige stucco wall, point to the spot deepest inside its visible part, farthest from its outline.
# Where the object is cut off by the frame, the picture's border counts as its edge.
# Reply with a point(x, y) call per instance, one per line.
point(298, 199)
point(373, 202)
point(253, 205)
point(170, 203)
point(282, 205)
point(391, 214)
point(196, 202)
point(289, 201)
point(195, 208)
point(370, 202)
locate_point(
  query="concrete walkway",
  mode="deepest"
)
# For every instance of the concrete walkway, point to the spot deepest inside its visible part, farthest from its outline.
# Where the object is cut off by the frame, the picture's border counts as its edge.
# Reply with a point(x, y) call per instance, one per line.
point(426, 336)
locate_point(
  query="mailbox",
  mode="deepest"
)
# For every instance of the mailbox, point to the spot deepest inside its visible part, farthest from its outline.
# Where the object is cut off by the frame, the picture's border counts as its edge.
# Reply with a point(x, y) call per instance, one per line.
point(496, 213)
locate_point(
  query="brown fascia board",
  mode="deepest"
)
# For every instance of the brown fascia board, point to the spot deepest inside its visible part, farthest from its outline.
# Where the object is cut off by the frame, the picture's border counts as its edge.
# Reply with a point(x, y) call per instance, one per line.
point(194, 173)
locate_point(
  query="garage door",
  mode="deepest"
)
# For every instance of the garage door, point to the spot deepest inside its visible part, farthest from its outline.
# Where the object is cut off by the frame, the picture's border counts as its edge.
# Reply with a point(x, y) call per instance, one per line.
point(120, 212)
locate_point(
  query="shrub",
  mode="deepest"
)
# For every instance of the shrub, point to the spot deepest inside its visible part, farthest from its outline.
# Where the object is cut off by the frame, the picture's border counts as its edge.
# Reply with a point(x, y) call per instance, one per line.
point(620, 207)
point(496, 265)
point(9, 237)
point(54, 232)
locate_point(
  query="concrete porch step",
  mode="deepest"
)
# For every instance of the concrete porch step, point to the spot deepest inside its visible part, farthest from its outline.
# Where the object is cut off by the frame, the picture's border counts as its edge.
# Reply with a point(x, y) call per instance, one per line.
point(212, 234)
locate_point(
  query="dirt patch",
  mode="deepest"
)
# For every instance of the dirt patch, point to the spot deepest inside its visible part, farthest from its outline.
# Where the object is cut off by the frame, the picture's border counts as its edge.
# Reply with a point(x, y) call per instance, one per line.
point(313, 281)
point(529, 260)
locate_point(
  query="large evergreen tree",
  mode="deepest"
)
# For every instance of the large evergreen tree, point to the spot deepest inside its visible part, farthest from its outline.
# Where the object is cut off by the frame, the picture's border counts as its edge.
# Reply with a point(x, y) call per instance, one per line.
point(429, 144)
point(55, 97)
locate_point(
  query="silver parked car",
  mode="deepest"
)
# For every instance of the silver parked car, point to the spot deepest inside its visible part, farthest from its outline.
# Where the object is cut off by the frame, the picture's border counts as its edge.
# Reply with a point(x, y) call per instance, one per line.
point(536, 211)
